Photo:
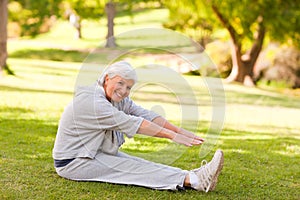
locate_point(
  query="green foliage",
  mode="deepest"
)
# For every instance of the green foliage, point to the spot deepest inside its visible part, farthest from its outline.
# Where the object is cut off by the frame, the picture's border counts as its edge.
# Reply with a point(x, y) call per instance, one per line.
point(35, 17)
point(285, 69)
point(31, 15)
point(219, 52)
point(94, 9)
point(186, 16)
point(281, 18)
point(86, 9)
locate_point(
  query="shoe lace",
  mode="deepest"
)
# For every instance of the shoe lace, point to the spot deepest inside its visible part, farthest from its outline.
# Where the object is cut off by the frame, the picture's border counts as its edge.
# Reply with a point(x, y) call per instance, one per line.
point(205, 175)
point(204, 162)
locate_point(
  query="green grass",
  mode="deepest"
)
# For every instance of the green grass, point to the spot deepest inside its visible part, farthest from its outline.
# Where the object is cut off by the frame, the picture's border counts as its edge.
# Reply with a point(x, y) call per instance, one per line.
point(260, 138)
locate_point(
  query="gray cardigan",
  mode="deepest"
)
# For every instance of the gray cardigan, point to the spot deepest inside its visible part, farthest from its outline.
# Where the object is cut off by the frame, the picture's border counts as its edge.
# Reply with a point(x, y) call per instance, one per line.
point(91, 124)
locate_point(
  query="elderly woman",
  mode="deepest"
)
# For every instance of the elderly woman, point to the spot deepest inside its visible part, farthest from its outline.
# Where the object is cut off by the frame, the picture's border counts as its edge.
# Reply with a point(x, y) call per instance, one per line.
point(91, 130)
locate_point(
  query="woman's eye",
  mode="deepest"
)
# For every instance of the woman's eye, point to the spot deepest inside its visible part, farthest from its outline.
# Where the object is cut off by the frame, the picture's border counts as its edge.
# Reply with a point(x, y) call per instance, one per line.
point(121, 83)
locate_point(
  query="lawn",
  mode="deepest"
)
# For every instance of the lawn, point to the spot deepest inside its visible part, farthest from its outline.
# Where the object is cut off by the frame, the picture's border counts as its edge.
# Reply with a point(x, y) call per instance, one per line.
point(260, 136)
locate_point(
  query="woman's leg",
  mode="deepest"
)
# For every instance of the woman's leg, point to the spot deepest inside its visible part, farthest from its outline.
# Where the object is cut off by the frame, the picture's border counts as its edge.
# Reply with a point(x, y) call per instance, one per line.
point(124, 169)
point(186, 182)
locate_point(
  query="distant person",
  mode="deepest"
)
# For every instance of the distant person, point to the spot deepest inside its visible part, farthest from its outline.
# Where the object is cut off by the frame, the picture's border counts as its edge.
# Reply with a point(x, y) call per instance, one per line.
point(91, 131)
point(75, 21)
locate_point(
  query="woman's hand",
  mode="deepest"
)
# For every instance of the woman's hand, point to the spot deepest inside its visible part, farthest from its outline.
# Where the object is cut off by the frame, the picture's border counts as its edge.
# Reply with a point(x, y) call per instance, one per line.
point(187, 141)
point(196, 139)
point(176, 134)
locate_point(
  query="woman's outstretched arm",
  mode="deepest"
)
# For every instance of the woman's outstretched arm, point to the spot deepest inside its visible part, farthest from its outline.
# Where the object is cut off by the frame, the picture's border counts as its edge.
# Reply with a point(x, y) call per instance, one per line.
point(167, 131)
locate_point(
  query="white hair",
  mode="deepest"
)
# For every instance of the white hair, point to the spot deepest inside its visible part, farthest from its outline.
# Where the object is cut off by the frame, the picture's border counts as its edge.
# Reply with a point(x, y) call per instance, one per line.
point(122, 69)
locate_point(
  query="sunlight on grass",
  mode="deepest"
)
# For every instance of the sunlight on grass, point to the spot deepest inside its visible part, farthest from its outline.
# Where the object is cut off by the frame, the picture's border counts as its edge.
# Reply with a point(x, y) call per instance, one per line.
point(144, 144)
point(239, 151)
point(262, 115)
point(142, 20)
point(41, 76)
point(143, 147)
point(289, 150)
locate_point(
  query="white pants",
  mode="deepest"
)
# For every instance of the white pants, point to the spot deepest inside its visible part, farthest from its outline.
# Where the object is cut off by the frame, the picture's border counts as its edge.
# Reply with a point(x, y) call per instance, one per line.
point(124, 169)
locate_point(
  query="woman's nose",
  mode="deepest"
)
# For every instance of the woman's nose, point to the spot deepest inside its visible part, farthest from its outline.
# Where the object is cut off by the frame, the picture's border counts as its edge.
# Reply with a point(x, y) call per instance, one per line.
point(123, 90)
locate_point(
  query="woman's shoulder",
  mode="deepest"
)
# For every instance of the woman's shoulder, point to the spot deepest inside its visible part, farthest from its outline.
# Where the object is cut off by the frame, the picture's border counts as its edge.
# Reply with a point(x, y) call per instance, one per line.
point(89, 90)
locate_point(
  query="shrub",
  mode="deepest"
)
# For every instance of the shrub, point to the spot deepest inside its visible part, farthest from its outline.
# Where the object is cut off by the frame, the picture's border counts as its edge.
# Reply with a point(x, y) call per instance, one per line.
point(220, 54)
point(285, 68)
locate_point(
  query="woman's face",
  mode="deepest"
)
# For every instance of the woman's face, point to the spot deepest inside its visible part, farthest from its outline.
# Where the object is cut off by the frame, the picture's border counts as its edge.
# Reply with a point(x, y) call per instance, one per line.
point(117, 88)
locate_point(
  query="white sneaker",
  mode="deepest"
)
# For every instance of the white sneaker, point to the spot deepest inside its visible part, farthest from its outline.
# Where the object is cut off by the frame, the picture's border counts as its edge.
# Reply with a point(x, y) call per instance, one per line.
point(209, 172)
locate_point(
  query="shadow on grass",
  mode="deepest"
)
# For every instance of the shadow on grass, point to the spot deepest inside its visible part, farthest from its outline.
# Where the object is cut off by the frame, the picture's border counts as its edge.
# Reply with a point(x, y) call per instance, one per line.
point(15, 109)
point(26, 138)
point(51, 54)
point(253, 142)
point(232, 97)
point(270, 99)
point(8, 88)
point(52, 69)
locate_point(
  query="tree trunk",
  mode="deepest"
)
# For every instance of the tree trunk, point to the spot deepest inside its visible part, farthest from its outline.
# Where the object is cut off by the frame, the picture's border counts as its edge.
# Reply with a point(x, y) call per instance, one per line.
point(242, 68)
point(243, 65)
point(3, 34)
point(110, 12)
point(79, 35)
point(242, 73)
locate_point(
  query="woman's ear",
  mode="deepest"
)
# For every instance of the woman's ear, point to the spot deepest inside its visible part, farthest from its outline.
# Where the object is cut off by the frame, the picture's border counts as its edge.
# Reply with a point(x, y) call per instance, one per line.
point(106, 78)
point(105, 81)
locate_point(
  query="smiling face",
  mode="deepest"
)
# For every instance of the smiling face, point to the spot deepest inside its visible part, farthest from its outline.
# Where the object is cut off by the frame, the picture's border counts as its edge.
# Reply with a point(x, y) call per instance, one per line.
point(117, 88)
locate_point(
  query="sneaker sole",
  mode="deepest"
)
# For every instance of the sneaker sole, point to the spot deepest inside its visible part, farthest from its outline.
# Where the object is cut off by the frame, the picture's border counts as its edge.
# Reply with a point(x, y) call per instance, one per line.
point(215, 178)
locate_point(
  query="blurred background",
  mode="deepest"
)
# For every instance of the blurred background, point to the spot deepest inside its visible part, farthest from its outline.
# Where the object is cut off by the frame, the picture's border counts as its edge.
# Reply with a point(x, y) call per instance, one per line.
point(251, 42)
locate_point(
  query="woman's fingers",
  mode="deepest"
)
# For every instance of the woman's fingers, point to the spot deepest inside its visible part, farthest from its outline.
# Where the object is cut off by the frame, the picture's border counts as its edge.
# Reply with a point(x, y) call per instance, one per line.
point(197, 142)
point(181, 139)
point(190, 134)
point(188, 141)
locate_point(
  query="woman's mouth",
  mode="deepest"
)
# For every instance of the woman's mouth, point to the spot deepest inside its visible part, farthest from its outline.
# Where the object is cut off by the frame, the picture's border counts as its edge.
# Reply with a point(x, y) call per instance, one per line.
point(119, 95)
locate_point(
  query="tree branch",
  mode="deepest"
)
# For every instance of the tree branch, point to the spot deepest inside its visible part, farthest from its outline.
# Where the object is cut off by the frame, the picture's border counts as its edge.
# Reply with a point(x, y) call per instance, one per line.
point(259, 38)
point(227, 25)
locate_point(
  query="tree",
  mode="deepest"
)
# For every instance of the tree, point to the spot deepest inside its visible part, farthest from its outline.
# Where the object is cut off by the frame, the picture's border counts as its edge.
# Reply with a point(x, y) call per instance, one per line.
point(77, 10)
point(110, 10)
point(248, 23)
point(189, 20)
point(3, 35)
point(33, 16)
point(111, 13)
point(94, 9)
